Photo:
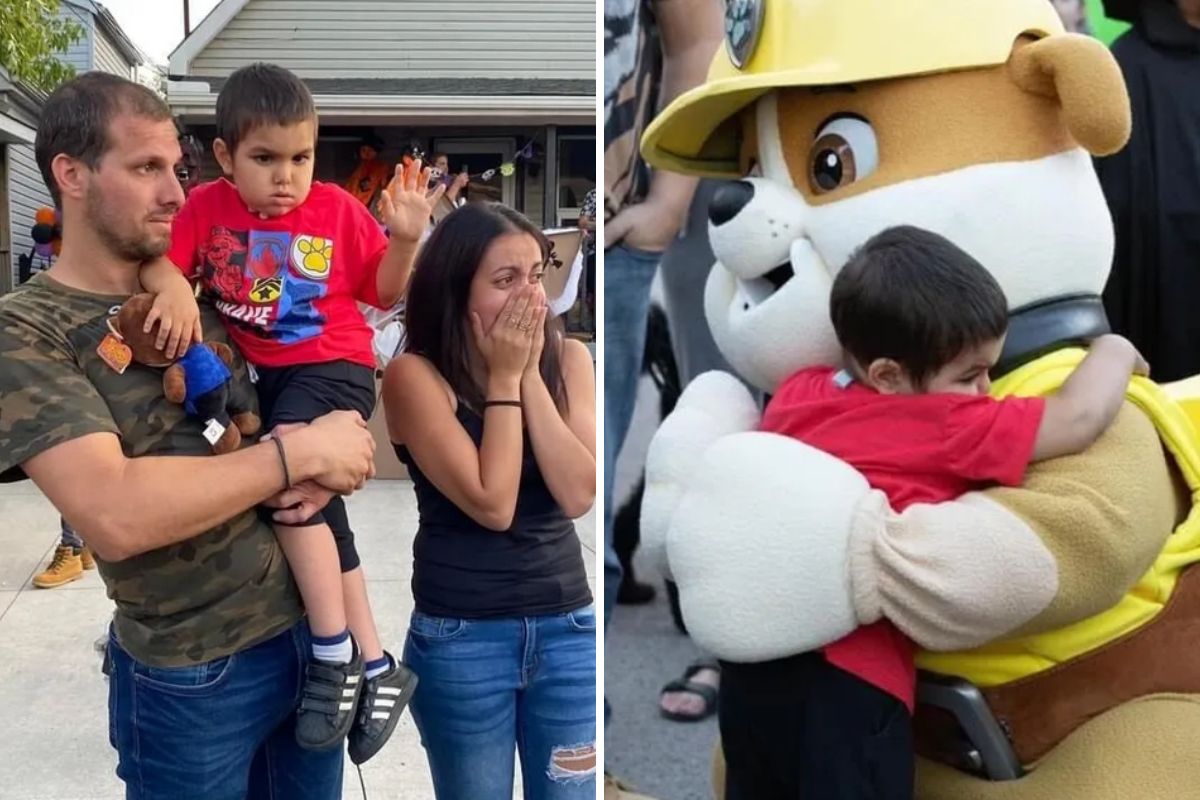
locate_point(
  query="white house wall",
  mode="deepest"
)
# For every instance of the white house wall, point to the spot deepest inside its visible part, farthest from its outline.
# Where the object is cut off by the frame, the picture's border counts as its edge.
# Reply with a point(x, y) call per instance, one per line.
point(548, 39)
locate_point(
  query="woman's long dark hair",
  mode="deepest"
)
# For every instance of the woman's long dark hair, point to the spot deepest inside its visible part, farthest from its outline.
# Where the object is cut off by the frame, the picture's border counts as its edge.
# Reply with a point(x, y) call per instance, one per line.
point(436, 309)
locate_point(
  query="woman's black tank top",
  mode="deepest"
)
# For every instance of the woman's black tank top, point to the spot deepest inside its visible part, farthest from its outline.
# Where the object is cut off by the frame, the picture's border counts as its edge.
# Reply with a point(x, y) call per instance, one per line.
point(462, 569)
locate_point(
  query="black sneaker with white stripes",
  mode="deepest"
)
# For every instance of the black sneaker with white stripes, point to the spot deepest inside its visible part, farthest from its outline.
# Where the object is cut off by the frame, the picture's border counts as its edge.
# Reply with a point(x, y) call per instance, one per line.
point(383, 700)
point(327, 702)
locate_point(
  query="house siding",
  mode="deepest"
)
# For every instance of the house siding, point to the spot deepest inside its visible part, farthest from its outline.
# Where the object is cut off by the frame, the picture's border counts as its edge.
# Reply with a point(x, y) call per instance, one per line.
point(418, 39)
point(108, 58)
point(79, 54)
point(26, 193)
point(27, 190)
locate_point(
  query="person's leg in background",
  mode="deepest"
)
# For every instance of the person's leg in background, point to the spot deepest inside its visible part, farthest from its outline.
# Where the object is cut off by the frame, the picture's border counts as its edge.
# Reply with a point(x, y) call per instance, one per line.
point(71, 558)
point(628, 274)
point(684, 272)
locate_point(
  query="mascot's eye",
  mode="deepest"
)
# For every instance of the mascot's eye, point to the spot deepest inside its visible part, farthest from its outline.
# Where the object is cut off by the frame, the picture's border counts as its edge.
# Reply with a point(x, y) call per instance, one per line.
point(845, 151)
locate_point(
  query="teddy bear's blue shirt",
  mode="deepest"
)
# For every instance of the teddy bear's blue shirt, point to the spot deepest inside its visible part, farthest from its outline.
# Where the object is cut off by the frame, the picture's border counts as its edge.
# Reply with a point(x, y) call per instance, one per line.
point(205, 371)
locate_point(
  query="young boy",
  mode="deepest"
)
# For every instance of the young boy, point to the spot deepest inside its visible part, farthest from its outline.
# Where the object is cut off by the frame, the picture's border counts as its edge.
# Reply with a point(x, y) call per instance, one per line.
point(921, 323)
point(286, 261)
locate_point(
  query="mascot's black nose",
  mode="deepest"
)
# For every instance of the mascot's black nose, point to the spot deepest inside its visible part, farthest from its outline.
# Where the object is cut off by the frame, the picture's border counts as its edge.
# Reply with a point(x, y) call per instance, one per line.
point(729, 200)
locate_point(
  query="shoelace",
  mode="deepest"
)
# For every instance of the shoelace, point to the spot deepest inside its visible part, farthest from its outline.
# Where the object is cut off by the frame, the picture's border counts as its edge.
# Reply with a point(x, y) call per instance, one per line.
point(60, 560)
point(361, 782)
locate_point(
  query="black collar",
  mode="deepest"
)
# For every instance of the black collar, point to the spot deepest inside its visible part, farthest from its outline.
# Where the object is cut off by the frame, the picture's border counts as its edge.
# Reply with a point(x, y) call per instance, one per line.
point(1048, 325)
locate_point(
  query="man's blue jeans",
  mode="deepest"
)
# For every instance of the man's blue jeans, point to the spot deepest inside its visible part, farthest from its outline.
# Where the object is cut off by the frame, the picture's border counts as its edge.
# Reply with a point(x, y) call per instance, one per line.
point(488, 685)
point(69, 537)
point(628, 273)
point(222, 730)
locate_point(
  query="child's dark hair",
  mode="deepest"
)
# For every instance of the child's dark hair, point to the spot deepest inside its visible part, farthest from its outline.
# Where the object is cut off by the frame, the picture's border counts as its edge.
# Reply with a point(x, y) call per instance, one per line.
point(261, 94)
point(915, 297)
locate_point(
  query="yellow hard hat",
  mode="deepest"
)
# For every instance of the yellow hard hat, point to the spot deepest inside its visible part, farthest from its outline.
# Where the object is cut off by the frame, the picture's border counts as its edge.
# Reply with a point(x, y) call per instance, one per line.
point(771, 44)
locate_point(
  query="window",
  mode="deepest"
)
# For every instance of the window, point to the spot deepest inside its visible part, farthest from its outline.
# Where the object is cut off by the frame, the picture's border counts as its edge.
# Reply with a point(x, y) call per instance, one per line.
point(481, 155)
point(576, 174)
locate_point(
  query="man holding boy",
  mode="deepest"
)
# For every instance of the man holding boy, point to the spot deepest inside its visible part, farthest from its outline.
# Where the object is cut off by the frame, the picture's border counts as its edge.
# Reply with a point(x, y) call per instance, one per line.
point(207, 615)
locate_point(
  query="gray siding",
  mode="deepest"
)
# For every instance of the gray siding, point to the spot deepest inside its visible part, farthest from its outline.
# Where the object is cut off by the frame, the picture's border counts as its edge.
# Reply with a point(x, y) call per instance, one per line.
point(78, 55)
point(417, 39)
point(26, 193)
point(108, 58)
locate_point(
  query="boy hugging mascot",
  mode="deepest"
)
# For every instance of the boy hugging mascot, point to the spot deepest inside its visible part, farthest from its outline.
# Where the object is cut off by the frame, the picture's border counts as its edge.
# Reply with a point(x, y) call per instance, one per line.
point(1064, 616)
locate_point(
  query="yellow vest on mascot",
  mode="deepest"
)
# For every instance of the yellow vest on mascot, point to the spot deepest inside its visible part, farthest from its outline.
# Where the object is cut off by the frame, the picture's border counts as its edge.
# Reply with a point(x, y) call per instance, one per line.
point(1070, 602)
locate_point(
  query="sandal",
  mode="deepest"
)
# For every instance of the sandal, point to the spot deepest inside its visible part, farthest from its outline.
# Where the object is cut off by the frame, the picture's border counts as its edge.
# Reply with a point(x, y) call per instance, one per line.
point(702, 690)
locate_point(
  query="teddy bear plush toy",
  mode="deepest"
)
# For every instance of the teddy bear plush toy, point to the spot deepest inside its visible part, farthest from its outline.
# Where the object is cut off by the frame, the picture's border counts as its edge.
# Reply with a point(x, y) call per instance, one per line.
point(199, 379)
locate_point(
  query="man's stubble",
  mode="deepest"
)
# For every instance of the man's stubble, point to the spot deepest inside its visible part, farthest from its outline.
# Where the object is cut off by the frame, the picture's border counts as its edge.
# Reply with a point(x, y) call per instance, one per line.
point(137, 245)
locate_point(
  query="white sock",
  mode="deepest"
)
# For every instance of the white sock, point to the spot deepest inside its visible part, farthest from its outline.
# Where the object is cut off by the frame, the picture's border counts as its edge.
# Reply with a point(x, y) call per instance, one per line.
point(376, 668)
point(335, 649)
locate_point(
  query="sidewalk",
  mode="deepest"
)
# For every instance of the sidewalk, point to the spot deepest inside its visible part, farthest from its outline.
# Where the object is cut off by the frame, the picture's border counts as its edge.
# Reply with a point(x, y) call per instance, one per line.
point(57, 746)
point(663, 759)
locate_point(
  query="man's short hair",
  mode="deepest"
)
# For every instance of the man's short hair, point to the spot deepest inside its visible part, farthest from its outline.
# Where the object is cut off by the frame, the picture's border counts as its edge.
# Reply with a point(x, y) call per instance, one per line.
point(76, 118)
point(257, 95)
point(915, 297)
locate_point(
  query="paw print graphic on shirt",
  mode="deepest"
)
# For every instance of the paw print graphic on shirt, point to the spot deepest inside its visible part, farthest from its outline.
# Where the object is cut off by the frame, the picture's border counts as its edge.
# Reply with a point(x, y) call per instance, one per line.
point(312, 256)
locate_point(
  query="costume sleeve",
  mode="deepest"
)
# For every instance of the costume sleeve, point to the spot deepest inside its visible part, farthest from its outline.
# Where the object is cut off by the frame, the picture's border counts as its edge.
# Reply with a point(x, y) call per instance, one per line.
point(185, 238)
point(991, 440)
point(45, 398)
point(368, 244)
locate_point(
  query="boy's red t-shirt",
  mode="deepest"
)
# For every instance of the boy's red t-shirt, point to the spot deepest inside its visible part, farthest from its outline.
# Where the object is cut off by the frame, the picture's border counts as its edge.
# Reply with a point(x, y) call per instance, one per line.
point(288, 286)
point(916, 449)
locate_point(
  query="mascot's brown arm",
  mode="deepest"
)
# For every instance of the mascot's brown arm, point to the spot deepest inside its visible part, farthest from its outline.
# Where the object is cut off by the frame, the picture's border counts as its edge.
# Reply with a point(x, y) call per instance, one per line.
point(1067, 544)
point(1105, 516)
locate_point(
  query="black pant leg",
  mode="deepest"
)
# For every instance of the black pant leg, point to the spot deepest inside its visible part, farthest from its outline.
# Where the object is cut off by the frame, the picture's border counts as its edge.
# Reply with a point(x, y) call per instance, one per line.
point(802, 729)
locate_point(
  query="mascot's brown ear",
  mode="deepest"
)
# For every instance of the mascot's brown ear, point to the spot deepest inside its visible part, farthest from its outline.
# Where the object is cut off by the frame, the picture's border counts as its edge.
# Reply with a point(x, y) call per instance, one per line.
point(1082, 75)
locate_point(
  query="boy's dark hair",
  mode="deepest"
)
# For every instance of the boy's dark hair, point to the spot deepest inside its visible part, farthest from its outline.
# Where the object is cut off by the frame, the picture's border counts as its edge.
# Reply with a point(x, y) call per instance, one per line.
point(915, 297)
point(76, 118)
point(261, 94)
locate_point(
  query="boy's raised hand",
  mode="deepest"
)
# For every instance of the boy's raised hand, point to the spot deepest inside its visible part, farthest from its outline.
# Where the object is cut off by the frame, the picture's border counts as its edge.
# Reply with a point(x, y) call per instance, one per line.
point(406, 203)
point(178, 318)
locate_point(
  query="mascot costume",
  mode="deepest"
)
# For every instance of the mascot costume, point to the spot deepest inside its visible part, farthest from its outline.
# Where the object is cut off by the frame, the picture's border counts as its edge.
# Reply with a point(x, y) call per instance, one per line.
point(1060, 620)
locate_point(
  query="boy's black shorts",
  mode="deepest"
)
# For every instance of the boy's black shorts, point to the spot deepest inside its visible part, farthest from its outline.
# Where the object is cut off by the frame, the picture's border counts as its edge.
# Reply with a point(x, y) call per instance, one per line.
point(800, 728)
point(303, 393)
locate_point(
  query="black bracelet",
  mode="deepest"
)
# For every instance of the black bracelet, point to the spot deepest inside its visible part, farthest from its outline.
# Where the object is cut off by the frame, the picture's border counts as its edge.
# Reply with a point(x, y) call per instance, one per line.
point(287, 478)
point(512, 403)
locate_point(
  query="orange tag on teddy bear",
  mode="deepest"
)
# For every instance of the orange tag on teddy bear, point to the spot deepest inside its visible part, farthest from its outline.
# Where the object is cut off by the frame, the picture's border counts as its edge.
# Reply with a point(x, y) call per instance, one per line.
point(115, 353)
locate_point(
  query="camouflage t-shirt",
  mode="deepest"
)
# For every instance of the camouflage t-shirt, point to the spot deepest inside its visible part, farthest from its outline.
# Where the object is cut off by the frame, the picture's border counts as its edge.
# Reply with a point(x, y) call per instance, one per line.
point(214, 594)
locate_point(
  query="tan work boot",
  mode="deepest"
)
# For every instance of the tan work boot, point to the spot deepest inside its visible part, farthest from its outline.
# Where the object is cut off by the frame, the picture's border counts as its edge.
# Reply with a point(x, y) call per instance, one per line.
point(615, 790)
point(66, 566)
point(85, 558)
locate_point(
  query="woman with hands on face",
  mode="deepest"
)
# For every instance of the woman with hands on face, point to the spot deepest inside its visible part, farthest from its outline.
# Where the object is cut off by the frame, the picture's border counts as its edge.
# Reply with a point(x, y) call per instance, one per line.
point(493, 411)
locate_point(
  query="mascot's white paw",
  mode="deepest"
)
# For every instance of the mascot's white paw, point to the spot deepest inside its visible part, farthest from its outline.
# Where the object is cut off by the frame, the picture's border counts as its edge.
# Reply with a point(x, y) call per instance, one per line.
point(714, 405)
point(760, 545)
